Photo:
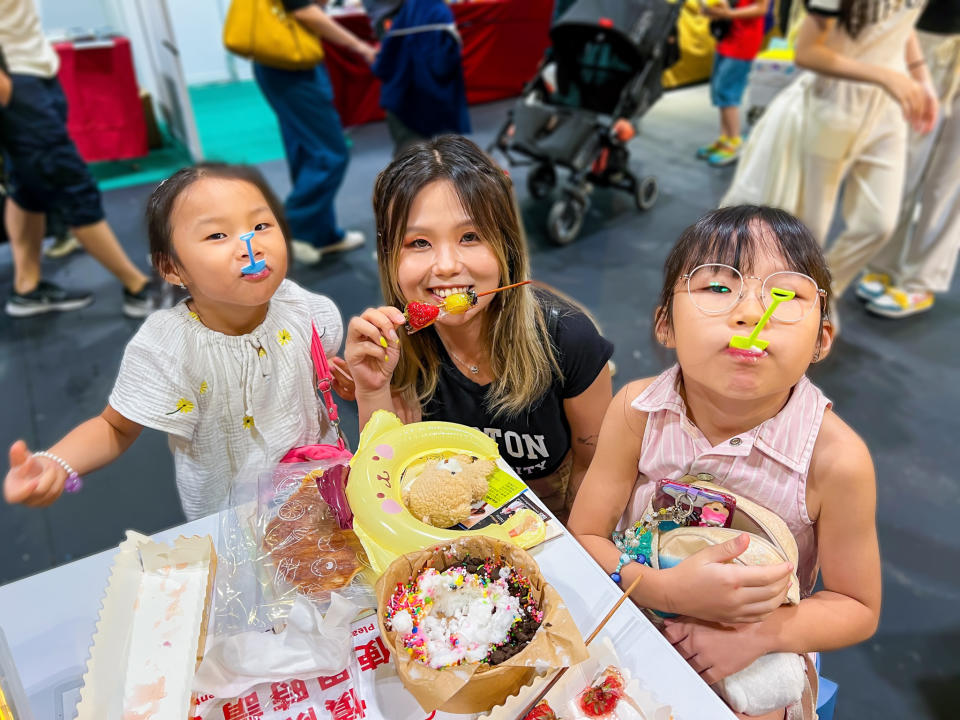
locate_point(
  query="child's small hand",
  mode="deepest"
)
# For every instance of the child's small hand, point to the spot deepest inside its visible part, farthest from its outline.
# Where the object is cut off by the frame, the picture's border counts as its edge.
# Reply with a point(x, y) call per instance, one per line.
point(343, 384)
point(33, 481)
point(708, 586)
point(716, 11)
point(715, 650)
point(373, 348)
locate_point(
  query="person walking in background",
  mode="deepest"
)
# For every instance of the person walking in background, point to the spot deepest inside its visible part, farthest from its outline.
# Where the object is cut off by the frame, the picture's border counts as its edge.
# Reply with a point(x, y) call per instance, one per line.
point(921, 257)
point(312, 138)
point(844, 123)
point(735, 53)
point(46, 171)
point(421, 68)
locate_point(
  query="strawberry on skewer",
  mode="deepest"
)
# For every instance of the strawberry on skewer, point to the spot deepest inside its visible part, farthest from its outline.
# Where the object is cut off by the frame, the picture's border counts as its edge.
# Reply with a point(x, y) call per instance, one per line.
point(420, 315)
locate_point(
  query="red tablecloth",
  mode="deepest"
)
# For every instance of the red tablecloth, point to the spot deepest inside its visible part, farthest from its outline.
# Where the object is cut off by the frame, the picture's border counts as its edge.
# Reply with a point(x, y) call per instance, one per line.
point(105, 117)
point(503, 40)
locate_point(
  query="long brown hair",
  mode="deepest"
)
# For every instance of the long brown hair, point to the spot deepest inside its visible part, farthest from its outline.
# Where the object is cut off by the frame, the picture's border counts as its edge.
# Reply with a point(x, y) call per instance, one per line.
point(522, 359)
point(855, 15)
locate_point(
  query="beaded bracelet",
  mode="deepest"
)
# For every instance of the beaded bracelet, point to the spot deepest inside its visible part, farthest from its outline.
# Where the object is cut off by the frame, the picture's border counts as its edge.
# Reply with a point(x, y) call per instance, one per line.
point(634, 542)
point(73, 483)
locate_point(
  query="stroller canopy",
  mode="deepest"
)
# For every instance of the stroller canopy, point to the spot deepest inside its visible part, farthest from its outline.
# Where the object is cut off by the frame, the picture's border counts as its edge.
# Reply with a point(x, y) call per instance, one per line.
point(633, 28)
point(600, 45)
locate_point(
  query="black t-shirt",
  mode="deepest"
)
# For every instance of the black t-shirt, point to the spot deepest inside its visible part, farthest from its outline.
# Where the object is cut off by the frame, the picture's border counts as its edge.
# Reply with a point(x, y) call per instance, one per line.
point(941, 17)
point(533, 443)
point(291, 5)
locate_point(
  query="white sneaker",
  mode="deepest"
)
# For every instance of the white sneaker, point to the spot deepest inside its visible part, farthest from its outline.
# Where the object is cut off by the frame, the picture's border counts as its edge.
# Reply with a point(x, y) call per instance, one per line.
point(872, 286)
point(306, 253)
point(351, 239)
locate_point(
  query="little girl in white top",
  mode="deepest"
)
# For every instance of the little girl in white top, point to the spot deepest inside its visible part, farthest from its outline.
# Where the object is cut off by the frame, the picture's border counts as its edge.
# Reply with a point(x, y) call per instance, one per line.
point(227, 373)
point(752, 420)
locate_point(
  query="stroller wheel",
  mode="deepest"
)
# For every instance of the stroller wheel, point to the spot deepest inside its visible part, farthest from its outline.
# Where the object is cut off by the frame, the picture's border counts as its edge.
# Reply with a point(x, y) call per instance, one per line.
point(541, 180)
point(646, 192)
point(565, 220)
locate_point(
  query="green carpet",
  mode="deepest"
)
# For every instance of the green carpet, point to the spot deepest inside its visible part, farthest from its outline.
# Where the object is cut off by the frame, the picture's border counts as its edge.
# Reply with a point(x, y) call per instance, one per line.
point(235, 125)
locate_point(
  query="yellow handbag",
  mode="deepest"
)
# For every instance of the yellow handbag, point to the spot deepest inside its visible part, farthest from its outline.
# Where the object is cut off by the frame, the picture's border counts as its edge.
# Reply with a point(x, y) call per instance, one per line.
point(264, 32)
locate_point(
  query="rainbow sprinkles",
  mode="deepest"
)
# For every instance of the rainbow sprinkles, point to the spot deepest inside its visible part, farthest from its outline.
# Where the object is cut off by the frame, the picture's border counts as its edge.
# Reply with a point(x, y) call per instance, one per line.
point(474, 611)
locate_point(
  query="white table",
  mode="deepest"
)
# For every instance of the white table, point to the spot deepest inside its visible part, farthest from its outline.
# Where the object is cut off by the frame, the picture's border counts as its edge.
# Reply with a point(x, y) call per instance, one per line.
point(49, 620)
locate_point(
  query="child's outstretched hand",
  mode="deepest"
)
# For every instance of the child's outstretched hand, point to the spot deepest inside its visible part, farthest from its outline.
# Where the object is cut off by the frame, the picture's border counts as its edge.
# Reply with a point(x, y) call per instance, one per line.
point(708, 587)
point(373, 349)
point(33, 481)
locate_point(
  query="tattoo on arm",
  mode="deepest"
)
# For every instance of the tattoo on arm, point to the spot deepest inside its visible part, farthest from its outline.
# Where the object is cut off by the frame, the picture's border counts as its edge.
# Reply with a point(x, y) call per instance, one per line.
point(589, 440)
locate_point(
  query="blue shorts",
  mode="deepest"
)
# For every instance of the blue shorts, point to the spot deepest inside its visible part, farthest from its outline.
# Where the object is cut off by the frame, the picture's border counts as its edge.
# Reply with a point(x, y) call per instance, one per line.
point(728, 81)
point(46, 171)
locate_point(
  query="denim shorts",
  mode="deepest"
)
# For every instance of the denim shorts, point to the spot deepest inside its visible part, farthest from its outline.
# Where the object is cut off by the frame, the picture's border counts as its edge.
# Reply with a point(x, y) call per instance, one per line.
point(728, 81)
point(46, 171)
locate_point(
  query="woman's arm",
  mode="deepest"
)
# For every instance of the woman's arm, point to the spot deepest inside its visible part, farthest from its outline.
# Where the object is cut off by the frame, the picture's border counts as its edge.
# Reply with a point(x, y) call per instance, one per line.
point(917, 67)
point(813, 53)
point(38, 481)
point(371, 355)
point(585, 415)
point(326, 28)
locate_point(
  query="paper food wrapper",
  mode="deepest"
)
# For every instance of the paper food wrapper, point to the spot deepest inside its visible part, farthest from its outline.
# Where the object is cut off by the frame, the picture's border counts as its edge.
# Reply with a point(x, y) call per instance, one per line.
point(474, 687)
point(642, 703)
point(151, 631)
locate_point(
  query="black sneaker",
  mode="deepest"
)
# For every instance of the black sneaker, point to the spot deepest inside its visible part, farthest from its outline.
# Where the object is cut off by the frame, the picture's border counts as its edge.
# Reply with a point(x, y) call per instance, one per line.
point(46, 297)
point(138, 305)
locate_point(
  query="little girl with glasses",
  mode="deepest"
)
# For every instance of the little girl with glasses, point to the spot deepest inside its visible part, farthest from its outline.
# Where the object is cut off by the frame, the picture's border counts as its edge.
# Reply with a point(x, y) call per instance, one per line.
point(752, 420)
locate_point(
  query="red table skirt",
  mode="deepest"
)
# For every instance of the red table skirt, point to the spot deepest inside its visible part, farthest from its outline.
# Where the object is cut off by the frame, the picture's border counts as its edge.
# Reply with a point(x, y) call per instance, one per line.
point(104, 117)
point(503, 41)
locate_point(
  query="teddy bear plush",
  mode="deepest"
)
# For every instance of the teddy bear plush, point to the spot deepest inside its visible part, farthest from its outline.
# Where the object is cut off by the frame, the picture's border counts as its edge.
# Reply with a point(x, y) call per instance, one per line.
point(442, 493)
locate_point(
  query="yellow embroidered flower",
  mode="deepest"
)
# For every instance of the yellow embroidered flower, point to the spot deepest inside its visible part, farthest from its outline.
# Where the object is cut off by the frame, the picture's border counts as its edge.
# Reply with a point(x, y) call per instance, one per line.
point(248, 422)
point(203, 387)
point(262, 352)
point(283, 337)
point(183, 405)
point(194, 316)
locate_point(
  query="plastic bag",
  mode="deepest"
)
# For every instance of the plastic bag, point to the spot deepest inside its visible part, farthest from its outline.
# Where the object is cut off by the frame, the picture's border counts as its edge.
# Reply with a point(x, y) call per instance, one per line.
point(279, 538)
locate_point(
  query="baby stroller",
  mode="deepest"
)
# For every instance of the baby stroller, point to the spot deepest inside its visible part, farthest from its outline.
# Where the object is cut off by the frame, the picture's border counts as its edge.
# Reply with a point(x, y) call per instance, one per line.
point(601, 74)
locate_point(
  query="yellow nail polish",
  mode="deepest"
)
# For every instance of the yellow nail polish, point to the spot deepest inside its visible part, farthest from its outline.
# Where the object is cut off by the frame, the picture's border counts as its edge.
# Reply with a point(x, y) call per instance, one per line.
point(386, 358)
point(383, 341)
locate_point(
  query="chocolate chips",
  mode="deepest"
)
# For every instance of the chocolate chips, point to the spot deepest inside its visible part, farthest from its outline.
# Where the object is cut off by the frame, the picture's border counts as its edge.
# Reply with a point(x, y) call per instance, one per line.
point(523, 631)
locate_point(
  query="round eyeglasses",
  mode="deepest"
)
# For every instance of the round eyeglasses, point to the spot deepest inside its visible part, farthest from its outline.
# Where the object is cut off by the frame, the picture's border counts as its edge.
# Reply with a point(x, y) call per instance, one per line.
point(715, 289)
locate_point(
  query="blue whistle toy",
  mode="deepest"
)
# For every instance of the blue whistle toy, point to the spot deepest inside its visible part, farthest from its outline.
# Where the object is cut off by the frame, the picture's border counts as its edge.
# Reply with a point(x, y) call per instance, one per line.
point(254, 267)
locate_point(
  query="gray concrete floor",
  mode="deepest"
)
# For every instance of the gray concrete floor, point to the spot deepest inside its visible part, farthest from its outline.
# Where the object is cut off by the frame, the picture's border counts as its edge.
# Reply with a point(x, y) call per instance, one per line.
point(895, 382)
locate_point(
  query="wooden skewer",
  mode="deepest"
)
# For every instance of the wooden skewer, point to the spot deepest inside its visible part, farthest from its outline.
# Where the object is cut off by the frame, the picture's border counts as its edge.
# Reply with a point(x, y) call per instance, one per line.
point(505, 287)
point(596, 631)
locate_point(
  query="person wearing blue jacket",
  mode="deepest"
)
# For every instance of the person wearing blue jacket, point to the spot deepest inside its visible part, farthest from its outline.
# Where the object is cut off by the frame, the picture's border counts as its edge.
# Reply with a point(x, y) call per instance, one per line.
point(420, 66)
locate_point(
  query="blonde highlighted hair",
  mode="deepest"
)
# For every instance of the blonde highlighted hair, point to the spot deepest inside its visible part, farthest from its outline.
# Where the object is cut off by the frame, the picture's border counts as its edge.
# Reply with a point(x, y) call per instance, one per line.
point(522, 358)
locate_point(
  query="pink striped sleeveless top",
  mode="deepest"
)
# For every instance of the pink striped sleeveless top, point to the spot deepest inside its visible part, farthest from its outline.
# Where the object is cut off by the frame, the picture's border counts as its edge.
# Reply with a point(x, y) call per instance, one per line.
point(767, 464)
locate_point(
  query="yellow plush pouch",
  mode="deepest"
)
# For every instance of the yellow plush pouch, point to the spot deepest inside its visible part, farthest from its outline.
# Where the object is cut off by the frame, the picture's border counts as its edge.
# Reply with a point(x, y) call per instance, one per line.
point(263, 31)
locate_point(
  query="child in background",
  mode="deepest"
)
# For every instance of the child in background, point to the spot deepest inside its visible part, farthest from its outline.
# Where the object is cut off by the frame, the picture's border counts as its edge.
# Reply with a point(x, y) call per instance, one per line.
point(735, 53)
point(753, 421)
point(227, 373)
point(522, 365)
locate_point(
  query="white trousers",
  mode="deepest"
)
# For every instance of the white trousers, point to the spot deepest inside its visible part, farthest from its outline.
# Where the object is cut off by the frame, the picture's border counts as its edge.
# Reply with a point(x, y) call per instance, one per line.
point(922, 254)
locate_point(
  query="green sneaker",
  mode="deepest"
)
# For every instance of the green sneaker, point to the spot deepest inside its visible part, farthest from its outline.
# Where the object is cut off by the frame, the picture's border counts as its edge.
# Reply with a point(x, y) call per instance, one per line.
point(704, 153)
point(725, 154)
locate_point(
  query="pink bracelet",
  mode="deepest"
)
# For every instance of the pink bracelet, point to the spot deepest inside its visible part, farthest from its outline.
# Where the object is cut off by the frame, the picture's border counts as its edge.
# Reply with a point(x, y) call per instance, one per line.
point(73, 483)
